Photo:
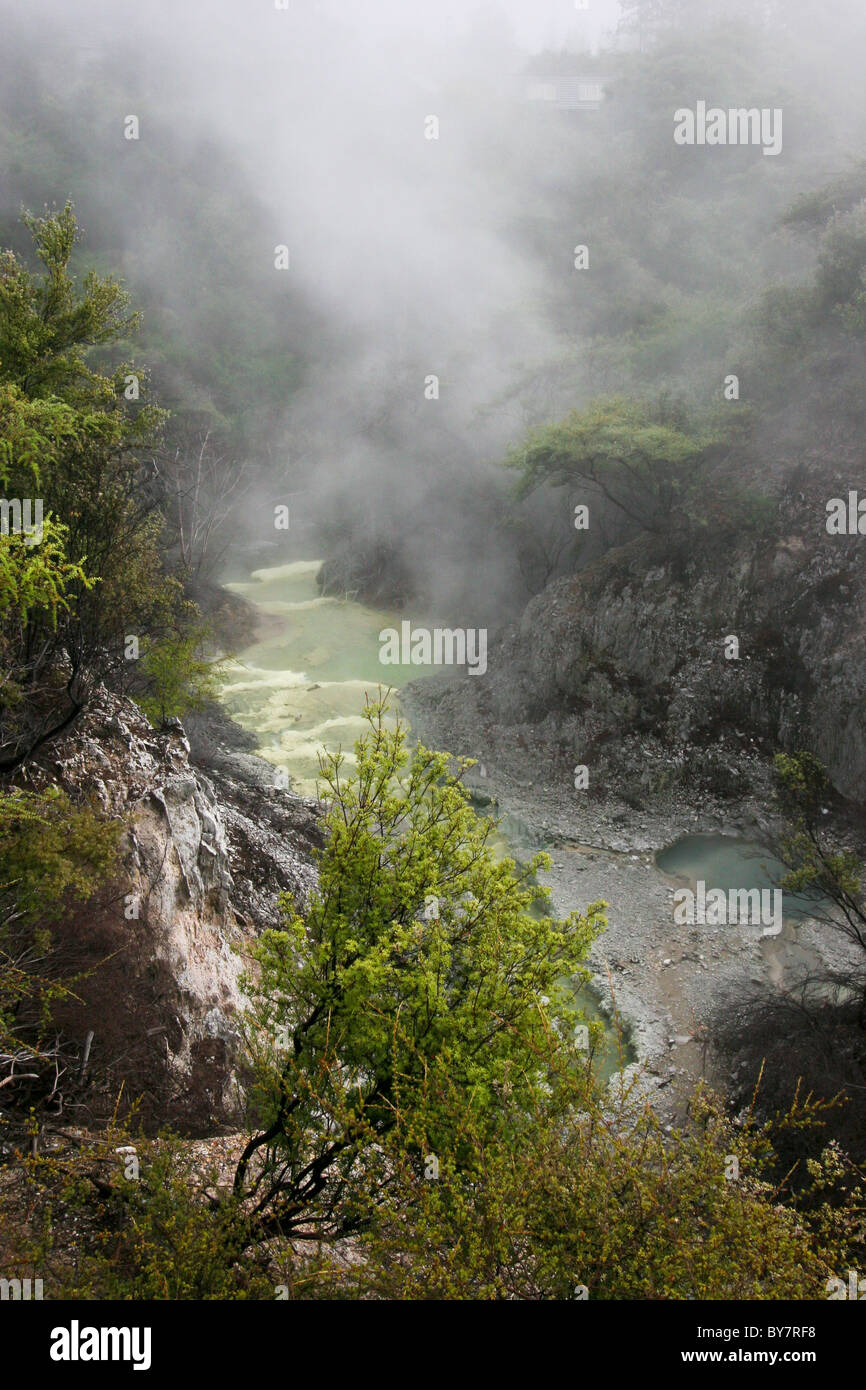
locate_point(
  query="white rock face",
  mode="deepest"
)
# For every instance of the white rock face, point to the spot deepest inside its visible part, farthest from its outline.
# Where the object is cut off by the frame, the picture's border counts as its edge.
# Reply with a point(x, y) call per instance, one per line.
point(164, 998)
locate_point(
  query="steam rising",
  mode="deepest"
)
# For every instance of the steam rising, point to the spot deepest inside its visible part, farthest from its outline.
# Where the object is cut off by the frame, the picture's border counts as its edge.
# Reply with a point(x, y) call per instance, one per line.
point(452, 257)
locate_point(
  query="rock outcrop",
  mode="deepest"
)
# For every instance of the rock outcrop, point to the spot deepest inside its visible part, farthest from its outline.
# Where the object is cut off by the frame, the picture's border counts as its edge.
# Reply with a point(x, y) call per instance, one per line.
point(623, 666)
point(161, 952)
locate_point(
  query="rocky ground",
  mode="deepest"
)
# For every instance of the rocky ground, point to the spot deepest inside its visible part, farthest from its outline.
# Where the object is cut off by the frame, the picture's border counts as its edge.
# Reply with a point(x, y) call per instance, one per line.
point(664, 981)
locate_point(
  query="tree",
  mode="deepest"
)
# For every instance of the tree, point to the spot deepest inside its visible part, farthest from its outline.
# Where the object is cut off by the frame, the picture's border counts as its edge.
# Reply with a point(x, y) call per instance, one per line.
point(39, 581)
point(52, 854)
point(417, 956)
point(643, 459)
point(72, 437)
point(651, 19)
point(829, 876)
point(178, 678)
point(202, 488)
point(645, 18)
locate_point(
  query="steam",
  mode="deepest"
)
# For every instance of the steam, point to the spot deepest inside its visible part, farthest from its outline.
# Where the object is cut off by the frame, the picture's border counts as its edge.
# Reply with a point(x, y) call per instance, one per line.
point(451, 258)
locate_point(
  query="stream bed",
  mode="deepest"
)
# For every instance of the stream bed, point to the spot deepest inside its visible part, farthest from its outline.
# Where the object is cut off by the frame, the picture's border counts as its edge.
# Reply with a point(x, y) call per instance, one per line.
point(300, 687)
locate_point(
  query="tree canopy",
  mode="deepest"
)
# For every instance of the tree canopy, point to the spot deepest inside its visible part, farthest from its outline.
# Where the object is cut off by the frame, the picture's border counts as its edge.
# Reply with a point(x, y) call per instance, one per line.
point(418, 954)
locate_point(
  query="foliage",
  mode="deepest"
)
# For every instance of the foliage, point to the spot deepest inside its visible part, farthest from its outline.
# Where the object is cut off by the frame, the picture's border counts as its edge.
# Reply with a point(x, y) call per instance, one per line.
point(179, 680)
point(50, 849)
point(609, 1208)
point(817, 207)
point(371, 990)
point(645, 460)
point(36, 575)
point(148, 1227)
point(830, 876)
point(37, 584)
point(47, 325)
point(69, 433)
point(606, 1206)
point(52, 854)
